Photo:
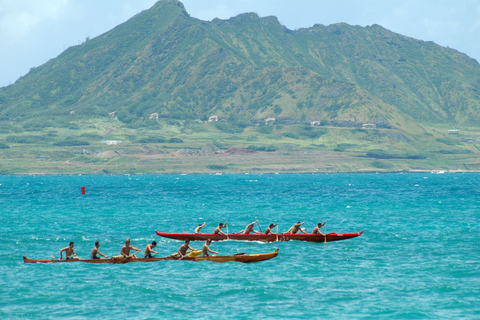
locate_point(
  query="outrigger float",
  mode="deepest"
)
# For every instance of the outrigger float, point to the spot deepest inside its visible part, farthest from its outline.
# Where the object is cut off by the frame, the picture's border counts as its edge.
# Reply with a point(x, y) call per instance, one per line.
point(260, 237)
point(239, 257)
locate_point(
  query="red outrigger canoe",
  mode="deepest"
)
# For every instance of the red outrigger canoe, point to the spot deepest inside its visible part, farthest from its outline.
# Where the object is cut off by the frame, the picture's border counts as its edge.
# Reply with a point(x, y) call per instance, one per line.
point(260, 237)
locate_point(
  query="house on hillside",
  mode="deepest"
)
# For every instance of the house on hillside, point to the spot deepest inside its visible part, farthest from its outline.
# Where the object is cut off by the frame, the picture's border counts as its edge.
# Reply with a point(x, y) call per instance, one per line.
point(453, 131)
point(369, 126)
point(111, 142)
point(213, 119)
point(154, 116)
point(269, 120)
point(315, 123)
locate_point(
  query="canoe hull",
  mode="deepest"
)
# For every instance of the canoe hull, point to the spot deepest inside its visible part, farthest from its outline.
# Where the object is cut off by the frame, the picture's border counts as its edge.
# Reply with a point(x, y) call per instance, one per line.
point(260, 237)
point(243, 258)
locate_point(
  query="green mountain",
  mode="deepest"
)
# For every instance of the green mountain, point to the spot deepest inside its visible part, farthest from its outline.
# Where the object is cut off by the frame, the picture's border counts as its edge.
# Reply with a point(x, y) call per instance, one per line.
point(245, 70)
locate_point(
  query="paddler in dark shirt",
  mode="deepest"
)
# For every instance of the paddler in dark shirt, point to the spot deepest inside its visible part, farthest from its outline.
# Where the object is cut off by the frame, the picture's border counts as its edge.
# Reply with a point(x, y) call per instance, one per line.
point(296, 227)
point(219, 228)
point(206, 249)
point(249, 228)
point(69, 252)
point(270, 227)
point(149, 249)
point(200, 226)
point(95, 251)
point(182, 251)
point(316, 230)
point(125, 252)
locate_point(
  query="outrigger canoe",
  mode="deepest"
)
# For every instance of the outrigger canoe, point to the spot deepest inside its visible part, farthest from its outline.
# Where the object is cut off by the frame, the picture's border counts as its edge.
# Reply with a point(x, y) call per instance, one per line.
point(260, 237)
point(240, 257)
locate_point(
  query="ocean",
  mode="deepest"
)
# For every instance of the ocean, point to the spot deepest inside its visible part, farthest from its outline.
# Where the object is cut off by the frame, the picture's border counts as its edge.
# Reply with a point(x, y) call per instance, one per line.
point(418, 257)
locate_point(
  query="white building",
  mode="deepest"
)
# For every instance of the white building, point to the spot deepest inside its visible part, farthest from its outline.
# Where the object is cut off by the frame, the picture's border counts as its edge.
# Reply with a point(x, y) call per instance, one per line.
point(111, 142)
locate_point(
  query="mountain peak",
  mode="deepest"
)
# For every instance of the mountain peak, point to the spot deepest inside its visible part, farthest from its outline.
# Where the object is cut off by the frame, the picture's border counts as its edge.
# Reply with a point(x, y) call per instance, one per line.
point(166, 8)
point(163, 62)
point(169, 3)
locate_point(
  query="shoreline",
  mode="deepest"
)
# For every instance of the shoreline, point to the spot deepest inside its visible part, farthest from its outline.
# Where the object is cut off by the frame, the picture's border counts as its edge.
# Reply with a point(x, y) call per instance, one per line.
point(242, 173)
point(299, 162)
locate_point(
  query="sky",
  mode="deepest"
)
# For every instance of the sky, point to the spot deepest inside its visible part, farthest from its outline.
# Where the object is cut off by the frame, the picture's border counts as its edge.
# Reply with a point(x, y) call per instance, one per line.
point(35, 31)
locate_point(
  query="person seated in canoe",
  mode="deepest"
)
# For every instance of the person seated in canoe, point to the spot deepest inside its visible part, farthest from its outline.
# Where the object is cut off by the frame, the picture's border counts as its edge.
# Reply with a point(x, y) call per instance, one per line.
point(249, 228)
point(316, 230)
point(296, 227)
point(206, 249)
point(270, 227)
point(95, 251)
point(125, 252)
point(200, 226)
point(69, 252)
point(182, 251)
point(218, 230)
point(149, 249)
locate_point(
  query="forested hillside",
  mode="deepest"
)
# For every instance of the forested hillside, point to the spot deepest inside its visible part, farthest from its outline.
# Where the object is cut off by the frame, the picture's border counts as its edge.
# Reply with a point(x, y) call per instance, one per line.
point(163, 68)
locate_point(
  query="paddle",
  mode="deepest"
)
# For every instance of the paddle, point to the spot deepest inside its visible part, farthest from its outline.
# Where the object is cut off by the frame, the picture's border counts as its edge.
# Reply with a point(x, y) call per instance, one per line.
point(187, 255)
point(259, 227)
point(325, 231)
point(133, 255)
point(277, 232)
point(227, 230)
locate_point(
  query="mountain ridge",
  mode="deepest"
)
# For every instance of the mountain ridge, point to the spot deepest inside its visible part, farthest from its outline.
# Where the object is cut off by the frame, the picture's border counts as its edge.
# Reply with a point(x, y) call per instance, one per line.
point(163, 67)
point(267, 44)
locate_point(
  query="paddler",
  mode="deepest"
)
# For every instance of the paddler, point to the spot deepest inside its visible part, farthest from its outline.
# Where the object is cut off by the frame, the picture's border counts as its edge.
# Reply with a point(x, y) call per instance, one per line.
point(182, 251)
point(316, 230)
point(270, 227)
point(200, 226)
point(219, 228)
point(95, 251)
point(149, 249)
point(296, 227)
point(69, 252)
point(249, 228)
point(206, 249)
point(125, 252)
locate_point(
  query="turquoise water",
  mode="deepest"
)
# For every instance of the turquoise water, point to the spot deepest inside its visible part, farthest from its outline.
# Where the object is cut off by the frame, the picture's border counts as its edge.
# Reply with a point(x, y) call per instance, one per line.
point(418, 258)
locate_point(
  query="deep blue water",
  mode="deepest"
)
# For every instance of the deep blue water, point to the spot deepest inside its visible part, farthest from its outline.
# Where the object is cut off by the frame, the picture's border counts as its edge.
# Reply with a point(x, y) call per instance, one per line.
point(418, 258)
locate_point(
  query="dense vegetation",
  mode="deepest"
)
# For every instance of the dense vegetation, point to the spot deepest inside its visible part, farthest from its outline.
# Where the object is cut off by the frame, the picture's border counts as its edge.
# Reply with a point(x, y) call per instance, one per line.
point(159, 77)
